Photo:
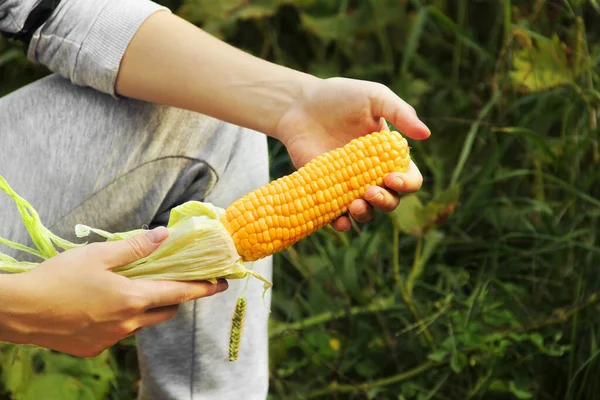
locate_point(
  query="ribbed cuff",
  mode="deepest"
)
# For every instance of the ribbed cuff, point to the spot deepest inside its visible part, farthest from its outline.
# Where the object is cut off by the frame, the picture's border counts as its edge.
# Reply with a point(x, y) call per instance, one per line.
point(85, 41)
point(102, 50)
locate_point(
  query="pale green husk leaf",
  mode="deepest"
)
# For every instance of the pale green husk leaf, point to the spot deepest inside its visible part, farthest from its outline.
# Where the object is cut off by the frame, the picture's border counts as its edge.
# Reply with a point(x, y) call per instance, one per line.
point(198, 247)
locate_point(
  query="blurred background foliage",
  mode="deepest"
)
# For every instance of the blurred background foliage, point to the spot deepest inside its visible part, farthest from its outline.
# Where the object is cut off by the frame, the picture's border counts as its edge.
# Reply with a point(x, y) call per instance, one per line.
point(485, 284)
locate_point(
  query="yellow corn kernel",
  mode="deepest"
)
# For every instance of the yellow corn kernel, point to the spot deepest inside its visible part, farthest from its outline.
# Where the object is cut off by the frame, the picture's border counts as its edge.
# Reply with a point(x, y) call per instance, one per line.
point(316, 191)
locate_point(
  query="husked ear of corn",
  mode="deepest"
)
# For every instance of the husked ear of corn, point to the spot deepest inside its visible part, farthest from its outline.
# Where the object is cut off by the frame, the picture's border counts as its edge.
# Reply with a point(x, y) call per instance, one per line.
point(207, 242)
point(277, 215)
point(198, 246)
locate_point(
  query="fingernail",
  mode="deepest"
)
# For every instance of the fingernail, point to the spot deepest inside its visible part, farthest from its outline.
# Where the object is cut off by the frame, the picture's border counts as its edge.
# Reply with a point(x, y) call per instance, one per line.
point(222, 285)
point(157, 235)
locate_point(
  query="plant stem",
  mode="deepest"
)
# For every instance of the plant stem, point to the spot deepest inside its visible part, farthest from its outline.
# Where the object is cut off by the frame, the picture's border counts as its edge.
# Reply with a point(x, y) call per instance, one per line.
point(559, 316)
point(574, 328)
point(383, 304)
point(470, 138)
point(396, 261)
point(507, 22)
point(422, 326)
point(413, 273)
point(406, 295)
point(363, 387)
point(462, 12)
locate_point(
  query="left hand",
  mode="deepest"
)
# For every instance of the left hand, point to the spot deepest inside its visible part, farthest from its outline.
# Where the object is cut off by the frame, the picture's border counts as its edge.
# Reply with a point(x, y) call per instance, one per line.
point(332, 112)
point(74, 303)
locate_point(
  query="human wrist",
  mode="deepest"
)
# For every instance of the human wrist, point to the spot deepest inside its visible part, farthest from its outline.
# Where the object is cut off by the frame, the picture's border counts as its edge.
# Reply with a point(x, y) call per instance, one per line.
point(16, 310)
point(294, 86)
point(8, 330)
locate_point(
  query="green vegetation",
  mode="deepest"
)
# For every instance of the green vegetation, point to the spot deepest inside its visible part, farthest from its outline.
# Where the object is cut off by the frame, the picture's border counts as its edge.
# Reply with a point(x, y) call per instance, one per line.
point(485, 284)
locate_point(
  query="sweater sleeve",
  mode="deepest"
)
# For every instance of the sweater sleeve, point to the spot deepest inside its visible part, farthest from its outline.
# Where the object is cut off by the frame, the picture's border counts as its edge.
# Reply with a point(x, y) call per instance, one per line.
point(14, 15)
point(84, 41)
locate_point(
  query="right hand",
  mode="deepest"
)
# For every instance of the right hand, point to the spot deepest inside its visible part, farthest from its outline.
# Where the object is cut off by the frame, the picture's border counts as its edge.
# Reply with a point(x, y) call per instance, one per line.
point(74, 304)
point(329, 113)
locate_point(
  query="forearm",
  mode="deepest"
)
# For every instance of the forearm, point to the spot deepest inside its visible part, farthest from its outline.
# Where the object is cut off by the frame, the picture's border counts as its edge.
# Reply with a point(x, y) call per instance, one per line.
point(170, 61)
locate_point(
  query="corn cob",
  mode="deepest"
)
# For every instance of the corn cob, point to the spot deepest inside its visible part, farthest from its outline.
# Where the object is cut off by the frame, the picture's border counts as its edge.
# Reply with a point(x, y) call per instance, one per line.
point(277, 215)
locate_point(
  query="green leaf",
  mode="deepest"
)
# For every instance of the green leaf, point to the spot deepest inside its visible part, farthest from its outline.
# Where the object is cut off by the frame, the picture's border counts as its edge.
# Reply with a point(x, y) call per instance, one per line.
point(18, 369)
point(366, 367)
point(519, 393)
point(214, 16)
point(95, 372)
point(325, 70)
point(10, 55)
point(257, 11)
point(438, 355)
point(498, 386)
point(444, 20)
point(537, 339)
point(320, 343)
point(407, 216)
point(412, 42)
point(500, 318)
point(337, 27)
point(458, 362)
point(414, 218)
point(350, 275)
point(291, 366)
point(57, 386)
point(540, 64)
point(412, 89)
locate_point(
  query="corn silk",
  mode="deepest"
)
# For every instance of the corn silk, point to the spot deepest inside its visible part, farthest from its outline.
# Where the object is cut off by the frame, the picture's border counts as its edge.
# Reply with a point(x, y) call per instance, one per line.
point(198, 247)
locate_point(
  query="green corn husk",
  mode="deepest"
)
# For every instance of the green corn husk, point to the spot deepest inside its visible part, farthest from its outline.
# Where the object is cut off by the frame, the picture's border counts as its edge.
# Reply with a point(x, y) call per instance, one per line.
point(9, 264)
point(198, 247)
point(45, 241)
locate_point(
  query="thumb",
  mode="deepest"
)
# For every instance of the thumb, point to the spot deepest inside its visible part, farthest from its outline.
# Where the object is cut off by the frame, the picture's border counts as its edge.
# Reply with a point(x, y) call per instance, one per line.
point(387, 105)
point(126, 251)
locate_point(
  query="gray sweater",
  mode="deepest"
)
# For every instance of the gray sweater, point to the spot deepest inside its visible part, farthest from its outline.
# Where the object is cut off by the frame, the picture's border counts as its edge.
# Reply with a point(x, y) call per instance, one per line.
point(82, 40)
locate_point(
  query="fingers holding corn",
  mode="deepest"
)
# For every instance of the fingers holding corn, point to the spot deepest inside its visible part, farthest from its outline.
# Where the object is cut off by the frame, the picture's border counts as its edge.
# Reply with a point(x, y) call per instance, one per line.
point(384, 199)
point(362, 210)
point(405, 182)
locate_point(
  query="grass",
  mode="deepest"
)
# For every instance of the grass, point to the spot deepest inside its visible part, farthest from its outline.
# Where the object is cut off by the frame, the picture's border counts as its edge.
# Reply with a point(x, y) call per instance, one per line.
point(484, 285)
